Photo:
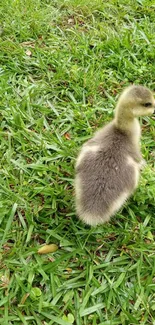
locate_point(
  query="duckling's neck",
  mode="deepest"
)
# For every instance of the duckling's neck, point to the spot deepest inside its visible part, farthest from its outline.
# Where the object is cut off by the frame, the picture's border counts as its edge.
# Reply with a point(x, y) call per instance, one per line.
point(127, 123)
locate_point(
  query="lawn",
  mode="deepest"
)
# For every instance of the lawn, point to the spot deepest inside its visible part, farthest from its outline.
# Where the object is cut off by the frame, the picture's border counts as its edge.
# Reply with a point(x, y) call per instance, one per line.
point(63, 64)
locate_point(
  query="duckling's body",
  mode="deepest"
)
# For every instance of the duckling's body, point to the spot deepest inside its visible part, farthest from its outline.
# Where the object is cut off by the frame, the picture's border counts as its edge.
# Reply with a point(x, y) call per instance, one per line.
point(108, 166)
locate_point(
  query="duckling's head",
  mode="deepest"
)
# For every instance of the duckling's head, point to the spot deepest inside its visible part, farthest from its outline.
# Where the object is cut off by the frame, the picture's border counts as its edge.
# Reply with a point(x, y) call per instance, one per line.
point(136, 101)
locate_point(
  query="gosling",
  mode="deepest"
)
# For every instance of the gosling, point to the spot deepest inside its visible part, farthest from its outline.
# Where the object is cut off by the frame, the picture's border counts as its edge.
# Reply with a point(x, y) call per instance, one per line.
point(108, 166)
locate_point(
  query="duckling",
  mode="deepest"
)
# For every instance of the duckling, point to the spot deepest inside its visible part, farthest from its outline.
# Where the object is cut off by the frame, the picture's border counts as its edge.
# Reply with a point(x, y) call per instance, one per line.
point(108, 166)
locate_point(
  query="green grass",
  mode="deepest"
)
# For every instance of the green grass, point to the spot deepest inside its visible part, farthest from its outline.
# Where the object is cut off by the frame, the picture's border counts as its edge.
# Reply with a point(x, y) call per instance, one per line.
point(62, 67)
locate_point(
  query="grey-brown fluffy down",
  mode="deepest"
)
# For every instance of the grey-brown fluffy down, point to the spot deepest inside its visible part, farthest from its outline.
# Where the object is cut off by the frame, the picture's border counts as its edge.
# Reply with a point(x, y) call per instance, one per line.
point(108, 166)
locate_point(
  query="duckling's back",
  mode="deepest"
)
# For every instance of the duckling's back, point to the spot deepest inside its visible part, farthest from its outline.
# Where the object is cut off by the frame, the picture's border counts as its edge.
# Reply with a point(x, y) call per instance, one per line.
point(107, 172)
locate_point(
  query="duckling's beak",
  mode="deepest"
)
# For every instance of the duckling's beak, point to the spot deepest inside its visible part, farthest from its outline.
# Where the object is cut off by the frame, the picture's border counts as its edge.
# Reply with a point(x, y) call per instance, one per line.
point(154, 108)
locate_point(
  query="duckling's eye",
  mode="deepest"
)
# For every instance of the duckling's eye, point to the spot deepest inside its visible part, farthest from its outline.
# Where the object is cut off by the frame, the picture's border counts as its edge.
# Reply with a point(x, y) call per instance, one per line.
point(147, 104)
